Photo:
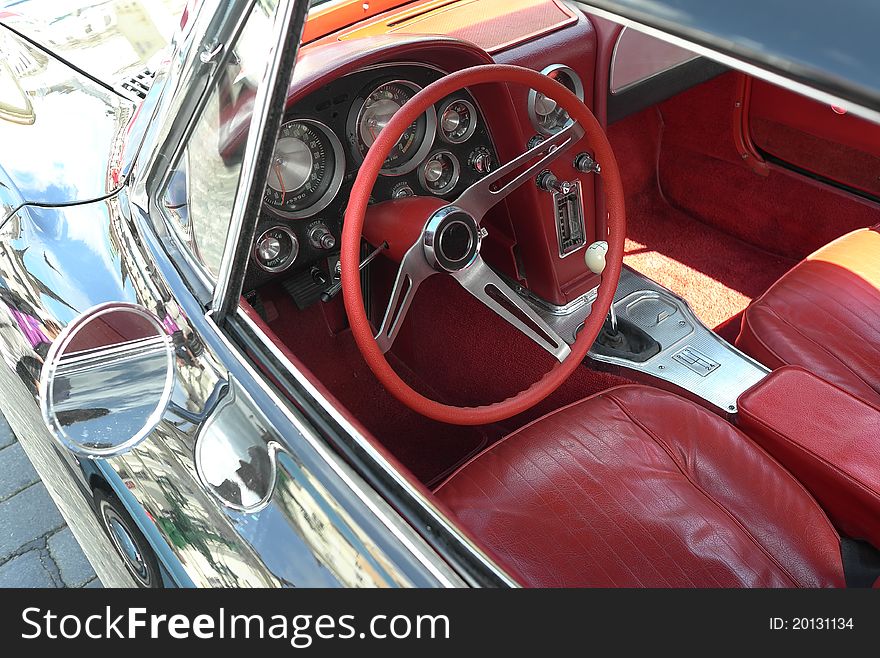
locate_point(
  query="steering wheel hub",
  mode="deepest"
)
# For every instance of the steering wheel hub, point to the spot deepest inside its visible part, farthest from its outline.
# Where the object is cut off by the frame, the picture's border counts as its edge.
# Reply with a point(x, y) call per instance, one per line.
point(452, 239)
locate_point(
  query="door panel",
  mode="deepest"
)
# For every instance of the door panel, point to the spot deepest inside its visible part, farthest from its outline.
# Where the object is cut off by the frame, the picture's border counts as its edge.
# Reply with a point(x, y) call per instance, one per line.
point(815, 137)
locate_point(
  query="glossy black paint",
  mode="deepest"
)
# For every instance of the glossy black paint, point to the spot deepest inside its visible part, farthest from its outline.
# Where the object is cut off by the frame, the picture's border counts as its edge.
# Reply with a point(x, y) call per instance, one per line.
point(62, 133)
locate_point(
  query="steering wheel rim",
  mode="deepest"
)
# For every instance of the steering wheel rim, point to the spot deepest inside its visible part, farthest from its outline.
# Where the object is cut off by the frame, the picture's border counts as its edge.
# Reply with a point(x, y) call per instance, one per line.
point(354, 222)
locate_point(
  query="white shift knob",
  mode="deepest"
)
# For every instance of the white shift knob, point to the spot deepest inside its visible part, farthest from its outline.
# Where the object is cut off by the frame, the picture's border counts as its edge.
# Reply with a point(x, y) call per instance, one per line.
point(594, 257)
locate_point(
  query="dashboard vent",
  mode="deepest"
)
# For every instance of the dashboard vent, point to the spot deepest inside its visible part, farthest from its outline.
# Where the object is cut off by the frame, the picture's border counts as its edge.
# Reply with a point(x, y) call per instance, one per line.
point(139, 84)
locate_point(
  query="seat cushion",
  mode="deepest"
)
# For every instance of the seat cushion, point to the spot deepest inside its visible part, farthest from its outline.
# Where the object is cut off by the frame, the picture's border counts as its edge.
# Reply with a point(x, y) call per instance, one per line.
point(824, 315)
point(636, 487)
point(828, 439)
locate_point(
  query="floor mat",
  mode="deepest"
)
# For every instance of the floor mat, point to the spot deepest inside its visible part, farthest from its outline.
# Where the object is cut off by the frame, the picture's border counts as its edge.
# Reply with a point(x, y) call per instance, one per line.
point(715, 272)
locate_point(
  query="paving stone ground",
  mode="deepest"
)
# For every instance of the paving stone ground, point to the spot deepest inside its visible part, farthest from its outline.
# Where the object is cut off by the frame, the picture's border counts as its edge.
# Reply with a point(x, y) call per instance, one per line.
point(37, 549)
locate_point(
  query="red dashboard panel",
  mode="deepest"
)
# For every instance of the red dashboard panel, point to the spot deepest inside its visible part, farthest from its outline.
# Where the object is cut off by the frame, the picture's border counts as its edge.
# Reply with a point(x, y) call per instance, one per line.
point(494, 25)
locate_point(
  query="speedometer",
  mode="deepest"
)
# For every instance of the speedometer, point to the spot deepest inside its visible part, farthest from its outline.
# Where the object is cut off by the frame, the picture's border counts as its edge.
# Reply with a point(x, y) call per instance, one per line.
point(306, 169)
point(369, 115)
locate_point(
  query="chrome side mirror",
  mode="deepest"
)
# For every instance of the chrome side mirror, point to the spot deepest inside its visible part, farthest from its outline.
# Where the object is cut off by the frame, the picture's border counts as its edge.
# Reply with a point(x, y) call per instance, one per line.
point(107, 380)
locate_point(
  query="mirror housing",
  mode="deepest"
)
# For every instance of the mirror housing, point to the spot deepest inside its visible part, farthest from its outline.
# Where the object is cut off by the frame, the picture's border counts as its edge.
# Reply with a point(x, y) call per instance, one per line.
point(107, 380)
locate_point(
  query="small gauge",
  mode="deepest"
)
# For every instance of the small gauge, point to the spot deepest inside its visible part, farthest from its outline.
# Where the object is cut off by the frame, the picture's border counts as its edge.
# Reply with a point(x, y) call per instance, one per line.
point(276, 249)
point(458, 120)
point(439, 173)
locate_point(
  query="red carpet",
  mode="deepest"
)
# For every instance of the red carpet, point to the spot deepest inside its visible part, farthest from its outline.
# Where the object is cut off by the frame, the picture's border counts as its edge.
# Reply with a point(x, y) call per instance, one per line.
point(702, 174)
point(717, 274)
point(459, 347)
point(702, 223)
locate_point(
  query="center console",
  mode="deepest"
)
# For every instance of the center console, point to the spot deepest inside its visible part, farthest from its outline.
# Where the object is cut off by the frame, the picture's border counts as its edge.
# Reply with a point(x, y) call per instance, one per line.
point(678, 349)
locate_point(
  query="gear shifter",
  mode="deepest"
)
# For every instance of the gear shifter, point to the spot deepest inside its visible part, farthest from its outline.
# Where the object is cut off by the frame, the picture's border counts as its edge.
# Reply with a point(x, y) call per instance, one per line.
point(623, 340)
point(595, 260)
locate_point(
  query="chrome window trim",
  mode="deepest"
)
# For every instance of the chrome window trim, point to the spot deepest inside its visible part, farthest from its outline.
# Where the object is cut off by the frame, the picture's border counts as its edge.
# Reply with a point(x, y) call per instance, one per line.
point(188, 74)
point(754, 70)
point(427, 554)
point(384, 513)
point(259, 119)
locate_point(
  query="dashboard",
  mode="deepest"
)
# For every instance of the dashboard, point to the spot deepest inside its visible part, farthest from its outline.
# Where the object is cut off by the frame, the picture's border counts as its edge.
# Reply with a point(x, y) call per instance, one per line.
point(348, 82)
point(322, 142)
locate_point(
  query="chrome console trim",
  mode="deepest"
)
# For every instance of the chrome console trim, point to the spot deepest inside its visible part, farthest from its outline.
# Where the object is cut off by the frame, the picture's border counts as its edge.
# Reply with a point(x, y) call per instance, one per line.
point(692, 356)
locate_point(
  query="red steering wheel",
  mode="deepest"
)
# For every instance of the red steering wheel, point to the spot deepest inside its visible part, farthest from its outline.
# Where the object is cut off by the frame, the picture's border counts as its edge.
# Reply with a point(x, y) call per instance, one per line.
point(428, 235)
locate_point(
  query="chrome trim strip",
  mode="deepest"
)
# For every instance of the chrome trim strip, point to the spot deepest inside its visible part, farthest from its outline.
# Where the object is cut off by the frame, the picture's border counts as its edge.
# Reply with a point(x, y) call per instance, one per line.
point(428, 558)
point(259, 119)
point(734, 63)
point(79, 363)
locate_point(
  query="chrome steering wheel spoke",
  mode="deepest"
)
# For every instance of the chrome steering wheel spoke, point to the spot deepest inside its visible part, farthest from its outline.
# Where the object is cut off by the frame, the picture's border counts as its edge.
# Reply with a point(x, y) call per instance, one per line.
point(484, 284)
point(413, 270)
point(482, 195)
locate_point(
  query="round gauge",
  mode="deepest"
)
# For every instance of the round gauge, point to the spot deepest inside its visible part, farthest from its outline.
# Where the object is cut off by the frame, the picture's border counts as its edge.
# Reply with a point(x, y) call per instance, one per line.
point(439, 173)
point(306, 169)
point(367, 119)
point(547, 116)
point(458, 120)
point(276, 249)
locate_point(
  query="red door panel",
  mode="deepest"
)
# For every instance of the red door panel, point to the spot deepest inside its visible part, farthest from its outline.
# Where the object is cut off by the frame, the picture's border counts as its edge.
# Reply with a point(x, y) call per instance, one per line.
point(816, 137)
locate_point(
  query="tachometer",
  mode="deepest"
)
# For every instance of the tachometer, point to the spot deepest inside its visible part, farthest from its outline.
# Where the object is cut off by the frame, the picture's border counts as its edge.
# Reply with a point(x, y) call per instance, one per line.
point(306, 170)
point(369, 116)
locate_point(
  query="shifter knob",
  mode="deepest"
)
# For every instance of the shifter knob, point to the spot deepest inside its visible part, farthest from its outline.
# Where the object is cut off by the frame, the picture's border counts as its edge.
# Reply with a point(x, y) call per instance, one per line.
point(594, 256)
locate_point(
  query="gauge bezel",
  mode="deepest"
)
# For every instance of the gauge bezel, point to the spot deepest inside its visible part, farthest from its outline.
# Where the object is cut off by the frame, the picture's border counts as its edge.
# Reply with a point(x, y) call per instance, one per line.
point(472, 128)
point(533, 97)
point(294, 249)
point(355, 114)
point(456, 172)
point(335, 182)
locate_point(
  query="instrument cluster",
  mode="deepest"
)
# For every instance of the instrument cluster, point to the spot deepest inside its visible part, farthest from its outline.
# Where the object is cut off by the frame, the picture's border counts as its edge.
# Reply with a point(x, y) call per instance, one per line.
point(323, 142)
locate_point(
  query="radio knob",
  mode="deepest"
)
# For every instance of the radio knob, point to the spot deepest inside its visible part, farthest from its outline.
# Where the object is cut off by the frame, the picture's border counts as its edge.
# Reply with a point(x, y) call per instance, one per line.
point(320, 237)
point(480, 160)
point(585, 163)
point(548, 182)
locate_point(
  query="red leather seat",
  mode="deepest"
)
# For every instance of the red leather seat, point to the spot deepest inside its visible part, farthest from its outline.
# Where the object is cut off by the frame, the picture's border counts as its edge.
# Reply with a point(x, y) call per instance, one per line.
point(824, 315)
point(638, 487)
